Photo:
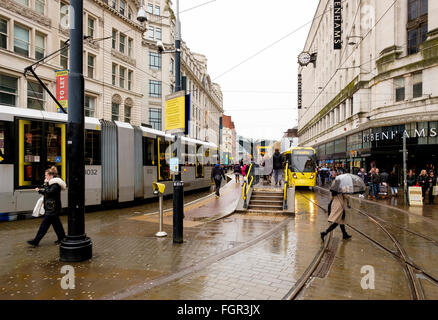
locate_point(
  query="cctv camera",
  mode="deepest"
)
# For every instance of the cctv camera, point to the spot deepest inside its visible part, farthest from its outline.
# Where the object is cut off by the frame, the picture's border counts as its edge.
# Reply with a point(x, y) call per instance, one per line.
point(141, 15)
point(160, 46)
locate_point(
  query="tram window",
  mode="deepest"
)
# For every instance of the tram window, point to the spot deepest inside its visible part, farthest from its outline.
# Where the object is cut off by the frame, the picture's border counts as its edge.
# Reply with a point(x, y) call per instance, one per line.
point(163, 153)
point(5, 142)
point(199, 161)
point(32, 169)
point(54, 146)
point(303, 163)
point(149, 153)
point(207, 161)
point(92, 148)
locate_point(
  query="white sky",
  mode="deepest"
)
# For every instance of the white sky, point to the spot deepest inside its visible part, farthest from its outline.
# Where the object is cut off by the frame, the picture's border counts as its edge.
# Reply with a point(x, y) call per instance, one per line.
point(228, 32)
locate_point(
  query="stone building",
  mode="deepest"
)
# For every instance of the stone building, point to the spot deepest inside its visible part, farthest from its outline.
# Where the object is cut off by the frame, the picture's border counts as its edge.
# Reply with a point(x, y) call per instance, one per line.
point(126, 77)
point(228, 145)
point(359, 101)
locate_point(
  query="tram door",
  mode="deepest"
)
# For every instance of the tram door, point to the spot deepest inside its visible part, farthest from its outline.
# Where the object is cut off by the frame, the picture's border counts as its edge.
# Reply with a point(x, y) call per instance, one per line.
point(40, 146)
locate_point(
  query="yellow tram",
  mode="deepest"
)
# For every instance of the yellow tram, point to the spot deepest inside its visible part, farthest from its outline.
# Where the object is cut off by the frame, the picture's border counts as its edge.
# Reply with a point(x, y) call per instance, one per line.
point(301, 166)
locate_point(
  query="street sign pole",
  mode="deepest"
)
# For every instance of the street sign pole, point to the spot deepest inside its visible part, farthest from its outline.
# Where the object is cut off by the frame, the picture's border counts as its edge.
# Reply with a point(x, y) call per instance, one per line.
point(77, 246)
point(405, 180)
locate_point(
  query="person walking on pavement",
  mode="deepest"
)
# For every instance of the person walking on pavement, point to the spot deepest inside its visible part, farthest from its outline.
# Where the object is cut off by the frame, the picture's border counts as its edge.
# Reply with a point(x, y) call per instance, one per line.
point(336, 211)
point(217, 174)
point(411, 181)
point(237, 172)
point(52, 206)
point(363, 175)
point(394, 183)
point(278, 166)
point(375, 181)
point(432, 181)
point(423, 181)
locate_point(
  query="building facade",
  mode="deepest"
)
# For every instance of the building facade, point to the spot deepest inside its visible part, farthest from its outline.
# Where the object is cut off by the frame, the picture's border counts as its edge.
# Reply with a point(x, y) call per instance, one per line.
point(206, 97)
point(228, 145)
point(359, 101)
point(126, 77)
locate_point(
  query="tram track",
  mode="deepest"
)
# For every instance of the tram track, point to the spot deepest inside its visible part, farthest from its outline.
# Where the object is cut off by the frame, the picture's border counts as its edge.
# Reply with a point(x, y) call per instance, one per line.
point(411, 268)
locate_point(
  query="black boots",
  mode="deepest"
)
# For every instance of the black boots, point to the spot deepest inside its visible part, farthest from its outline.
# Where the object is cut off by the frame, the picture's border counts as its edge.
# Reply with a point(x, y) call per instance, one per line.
point(32, 243)
point(345, 235)
point(332, 227)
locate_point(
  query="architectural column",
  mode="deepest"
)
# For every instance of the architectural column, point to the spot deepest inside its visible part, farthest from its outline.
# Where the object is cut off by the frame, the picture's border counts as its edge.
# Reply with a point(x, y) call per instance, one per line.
point(433, 15)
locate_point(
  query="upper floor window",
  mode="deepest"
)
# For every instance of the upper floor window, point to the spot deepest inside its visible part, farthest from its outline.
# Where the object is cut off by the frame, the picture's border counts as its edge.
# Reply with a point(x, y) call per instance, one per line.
point(129, 13)
point(40, 6)
point(90, 66)
point(21, 40)
point(155, 118)
point(154, 60)
point(122, 74)
point(89, 106)
point(150, 8)
point(114, 38)
point(122, 7)
point(23, 2)
point(130, 41)
point(91, 23)
point(122, 43)
point(417, 24)
point(114, 74)
point(3, 33)
point(35, 96)
point(151, 33)
point(399, 89)
point(64, 14)
point(64, 55)
point(114, 4)
point(40, 40)
point(155, 89)
point(127, 114)
point(8, 90)
point(130, 73)
point(157, 10)
point(417, 82)
point(115, 111)
point(158, 34)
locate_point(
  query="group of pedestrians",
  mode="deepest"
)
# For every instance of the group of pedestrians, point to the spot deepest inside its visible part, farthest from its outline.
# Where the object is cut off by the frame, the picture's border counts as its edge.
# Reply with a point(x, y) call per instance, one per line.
point(327, 176)
point(382, 183)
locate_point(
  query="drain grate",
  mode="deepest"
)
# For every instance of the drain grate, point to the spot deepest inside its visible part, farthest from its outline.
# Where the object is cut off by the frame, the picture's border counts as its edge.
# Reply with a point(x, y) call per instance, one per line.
point(327, 260)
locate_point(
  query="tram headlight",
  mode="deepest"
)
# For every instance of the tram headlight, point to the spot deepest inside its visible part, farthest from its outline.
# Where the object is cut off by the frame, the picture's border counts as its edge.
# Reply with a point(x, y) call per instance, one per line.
point(295, 175)
point(312, 176)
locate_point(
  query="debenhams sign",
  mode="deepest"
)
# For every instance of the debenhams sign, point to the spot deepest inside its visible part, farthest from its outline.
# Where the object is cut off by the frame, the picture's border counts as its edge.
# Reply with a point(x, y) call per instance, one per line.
point(391, 135)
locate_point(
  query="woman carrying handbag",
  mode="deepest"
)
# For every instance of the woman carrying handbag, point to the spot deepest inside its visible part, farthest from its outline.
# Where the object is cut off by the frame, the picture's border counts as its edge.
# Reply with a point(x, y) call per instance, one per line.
point(52, 206)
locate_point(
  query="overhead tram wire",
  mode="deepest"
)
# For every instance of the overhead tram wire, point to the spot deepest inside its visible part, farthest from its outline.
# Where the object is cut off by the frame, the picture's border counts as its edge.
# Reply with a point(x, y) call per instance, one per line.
point(200, 5)
point(274, 43)
point(356, 47)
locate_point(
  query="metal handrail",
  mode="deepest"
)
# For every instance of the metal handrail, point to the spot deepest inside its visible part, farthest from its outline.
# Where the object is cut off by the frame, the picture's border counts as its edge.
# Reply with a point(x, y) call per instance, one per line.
point(246, 187)
point(286, 185)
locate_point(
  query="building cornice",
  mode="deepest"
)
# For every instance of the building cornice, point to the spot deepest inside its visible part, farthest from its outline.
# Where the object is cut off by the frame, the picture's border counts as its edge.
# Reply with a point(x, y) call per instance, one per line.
point(120, 16)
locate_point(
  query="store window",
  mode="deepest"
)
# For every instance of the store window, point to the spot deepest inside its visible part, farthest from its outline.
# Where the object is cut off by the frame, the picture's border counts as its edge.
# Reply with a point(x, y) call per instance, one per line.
point(340, 145)
point(422, 132)
point(418, 85)
point(149, 152)
point(90, 106)
point(8, 90)
point(6, 154)
point(92, 148)
point(354, 142)
point(330, 148)
point(35, 96)
point(21, 40)
point(41, 145)
point(433, 132)
point(399, 89)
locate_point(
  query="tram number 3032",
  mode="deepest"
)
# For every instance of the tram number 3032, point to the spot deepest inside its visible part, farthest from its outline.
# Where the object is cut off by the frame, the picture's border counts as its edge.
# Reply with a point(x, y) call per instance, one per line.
point(91, 172)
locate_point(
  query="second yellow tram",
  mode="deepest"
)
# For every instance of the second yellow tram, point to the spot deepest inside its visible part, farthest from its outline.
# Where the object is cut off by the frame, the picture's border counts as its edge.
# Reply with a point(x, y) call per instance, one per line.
point(302, 169)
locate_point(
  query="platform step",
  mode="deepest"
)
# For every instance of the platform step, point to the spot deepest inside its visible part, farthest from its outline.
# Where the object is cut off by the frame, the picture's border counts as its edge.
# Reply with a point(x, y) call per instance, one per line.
point(265, 207)
point(267, 198)
point(266, 202)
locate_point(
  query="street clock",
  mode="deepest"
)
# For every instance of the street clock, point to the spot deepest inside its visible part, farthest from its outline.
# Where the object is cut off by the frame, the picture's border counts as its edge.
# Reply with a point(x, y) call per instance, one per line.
point(304, 58)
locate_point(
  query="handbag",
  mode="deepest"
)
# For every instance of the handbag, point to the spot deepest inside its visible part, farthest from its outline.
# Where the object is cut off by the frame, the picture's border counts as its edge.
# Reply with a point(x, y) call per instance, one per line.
point(39, 208)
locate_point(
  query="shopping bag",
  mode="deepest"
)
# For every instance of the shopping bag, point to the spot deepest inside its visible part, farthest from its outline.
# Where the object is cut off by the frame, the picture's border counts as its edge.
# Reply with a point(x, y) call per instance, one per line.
point(39, 208)
point(435, 191)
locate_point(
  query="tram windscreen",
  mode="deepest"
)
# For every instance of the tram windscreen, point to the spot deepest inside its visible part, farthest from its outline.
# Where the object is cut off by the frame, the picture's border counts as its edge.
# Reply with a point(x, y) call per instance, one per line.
point(303, 161)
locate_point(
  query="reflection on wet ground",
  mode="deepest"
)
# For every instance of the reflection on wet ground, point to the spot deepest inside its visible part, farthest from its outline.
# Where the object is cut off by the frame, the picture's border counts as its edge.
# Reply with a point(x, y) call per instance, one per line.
point(239, 257)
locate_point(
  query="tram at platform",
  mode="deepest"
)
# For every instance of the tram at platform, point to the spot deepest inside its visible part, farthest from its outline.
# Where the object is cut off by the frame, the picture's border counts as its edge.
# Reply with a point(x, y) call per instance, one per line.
point(302, 169)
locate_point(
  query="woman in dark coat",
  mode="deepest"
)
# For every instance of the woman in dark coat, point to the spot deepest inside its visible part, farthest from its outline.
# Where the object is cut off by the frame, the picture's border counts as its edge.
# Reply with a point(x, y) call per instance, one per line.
point(423, 181)
point(52, 206)
point(432, 182)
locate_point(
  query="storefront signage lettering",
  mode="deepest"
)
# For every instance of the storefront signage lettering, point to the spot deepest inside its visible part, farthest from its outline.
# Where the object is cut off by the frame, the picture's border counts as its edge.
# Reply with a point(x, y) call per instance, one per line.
point(391, 135)
point(337, 36)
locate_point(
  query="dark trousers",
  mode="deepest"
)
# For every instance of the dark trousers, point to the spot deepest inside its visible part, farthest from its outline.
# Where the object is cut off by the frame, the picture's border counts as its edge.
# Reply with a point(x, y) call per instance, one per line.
point(431, 196)
point(218, 186)
point(376, 189)
point(45, 225)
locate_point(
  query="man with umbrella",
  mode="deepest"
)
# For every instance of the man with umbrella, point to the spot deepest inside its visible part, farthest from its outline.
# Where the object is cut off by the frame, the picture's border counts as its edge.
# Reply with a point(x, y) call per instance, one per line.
point(342, 185)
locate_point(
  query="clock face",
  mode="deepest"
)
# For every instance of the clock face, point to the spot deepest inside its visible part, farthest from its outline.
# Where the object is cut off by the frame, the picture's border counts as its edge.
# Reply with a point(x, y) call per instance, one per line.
point(304, 58)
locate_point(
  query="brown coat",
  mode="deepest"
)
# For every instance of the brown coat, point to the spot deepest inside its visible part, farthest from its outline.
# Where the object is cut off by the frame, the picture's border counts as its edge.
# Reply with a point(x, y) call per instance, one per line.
point(337, 210)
